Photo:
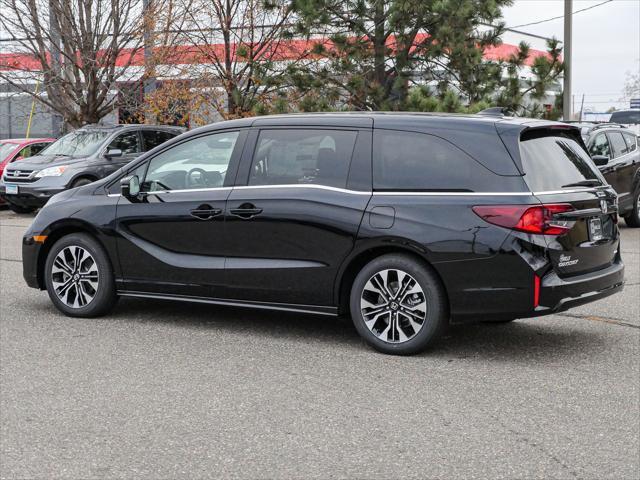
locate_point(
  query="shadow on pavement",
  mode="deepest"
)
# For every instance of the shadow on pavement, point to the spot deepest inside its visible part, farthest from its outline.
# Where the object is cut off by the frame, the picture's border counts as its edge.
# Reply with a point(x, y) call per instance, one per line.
point(524, 339)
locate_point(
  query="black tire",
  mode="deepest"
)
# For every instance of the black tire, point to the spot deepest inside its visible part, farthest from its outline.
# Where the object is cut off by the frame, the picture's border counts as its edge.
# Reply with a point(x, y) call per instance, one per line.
point(632, 219)
point(104, 297)
point(434, 319)
point(79, 182)
point(18, 209)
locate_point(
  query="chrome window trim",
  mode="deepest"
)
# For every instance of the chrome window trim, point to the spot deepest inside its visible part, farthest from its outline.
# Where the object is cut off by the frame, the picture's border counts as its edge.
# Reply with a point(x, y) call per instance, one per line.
point(301, 185)
point(359, 192)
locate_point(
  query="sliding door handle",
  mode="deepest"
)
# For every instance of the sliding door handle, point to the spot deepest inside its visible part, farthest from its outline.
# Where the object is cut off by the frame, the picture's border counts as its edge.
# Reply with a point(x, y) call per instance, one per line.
point(246, 211)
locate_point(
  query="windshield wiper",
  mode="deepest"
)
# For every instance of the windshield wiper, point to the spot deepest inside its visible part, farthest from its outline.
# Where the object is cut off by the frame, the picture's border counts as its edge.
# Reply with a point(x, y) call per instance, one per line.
point(584, 183)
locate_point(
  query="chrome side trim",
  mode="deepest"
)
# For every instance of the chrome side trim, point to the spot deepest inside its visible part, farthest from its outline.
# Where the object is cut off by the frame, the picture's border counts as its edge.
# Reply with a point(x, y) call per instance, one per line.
point(451, 194)
point(230, 303)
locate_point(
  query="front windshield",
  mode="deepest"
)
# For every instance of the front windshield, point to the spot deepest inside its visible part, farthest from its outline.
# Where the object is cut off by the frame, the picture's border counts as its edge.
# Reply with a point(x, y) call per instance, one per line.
point(80, 143)
point(6, 149)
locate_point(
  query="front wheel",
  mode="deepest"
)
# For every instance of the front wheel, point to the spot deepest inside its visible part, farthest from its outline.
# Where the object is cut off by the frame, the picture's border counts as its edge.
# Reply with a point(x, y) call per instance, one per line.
point(79, 278)
point(633, 218)
point(398, 305)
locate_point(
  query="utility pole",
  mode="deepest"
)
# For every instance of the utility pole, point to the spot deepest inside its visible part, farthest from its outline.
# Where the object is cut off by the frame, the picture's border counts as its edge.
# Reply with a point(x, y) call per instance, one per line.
point(566, 95)
point(149, 74)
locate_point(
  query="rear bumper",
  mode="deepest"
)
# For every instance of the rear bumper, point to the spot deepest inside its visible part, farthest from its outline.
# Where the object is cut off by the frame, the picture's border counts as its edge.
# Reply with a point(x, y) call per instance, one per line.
point(558, 295)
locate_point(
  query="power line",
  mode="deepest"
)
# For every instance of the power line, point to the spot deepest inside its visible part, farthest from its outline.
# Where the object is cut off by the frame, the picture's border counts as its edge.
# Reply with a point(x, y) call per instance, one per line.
point(561, 16)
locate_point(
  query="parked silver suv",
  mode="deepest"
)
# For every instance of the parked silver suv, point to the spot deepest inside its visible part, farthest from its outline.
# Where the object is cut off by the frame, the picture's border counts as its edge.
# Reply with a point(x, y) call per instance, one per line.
point(80, 157)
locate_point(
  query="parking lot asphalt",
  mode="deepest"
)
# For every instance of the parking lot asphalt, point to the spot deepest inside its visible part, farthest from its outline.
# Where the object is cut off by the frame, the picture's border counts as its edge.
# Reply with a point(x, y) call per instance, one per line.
point(164, 390)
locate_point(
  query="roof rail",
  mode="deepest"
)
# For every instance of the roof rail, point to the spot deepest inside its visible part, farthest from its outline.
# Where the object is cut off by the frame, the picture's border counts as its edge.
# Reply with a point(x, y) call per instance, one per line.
point(493, 112)
point(607, 125)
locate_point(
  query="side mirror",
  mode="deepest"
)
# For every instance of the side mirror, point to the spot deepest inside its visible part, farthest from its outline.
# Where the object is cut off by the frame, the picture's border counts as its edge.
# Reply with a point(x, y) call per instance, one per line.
point(600, 160)
point(113, 153)
point(130, 186)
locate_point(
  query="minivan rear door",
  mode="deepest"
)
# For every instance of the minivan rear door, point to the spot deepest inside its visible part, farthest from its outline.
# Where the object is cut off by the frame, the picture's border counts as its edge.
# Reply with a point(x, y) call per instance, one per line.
point(560, 173)
point(293, 216)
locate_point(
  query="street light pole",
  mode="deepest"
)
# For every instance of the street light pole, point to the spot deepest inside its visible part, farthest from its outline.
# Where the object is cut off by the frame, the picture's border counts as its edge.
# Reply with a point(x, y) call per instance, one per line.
point(566, 95)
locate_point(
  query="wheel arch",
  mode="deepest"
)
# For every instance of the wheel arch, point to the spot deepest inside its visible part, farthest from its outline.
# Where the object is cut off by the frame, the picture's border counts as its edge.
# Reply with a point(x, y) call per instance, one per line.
point(358, 259)
point(84, 175)
point(61, 229)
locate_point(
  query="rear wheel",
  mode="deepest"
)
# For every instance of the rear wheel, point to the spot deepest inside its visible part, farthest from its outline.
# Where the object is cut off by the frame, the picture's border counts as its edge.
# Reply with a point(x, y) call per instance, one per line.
point(79, 278)
point(398, 305)
point(633, 218)
point(18, 209)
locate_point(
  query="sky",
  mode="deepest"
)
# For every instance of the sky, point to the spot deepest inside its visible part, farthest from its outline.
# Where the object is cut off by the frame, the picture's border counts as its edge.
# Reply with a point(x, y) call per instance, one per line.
point(606, 44)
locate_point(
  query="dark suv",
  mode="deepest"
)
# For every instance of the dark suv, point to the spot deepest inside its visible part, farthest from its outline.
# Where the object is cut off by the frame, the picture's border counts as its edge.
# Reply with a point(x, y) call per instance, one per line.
point(615, 151)
point(407, 221)
point(81, 157)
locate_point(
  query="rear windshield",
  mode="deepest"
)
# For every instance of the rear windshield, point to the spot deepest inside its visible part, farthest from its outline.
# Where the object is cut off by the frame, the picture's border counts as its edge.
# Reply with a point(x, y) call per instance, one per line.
point(553, 160)
point(630, 118)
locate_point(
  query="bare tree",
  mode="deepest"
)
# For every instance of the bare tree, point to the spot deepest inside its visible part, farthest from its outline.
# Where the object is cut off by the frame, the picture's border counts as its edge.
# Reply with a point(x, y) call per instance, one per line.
point(243, 49)
point(77, 49)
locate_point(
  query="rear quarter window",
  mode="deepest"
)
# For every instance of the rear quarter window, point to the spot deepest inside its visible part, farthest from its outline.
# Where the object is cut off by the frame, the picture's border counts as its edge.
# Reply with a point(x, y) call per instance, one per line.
point(552, 159)
point(153, 138)
point(632, 142)
point(422, 162)
point(619, 145)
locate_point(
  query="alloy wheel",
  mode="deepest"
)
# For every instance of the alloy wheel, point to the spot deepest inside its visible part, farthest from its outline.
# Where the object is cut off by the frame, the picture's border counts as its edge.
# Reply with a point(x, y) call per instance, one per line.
point(393, 306)
point(74, 276)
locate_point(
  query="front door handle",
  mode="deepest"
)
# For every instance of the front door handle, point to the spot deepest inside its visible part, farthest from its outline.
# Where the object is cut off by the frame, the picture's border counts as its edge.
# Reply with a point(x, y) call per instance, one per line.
point(205, 212)
point(246, 211)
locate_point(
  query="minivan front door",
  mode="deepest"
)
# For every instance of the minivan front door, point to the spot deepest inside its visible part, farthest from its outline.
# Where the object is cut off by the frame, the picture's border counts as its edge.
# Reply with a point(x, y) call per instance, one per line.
point(171, 237)
point(294, 221)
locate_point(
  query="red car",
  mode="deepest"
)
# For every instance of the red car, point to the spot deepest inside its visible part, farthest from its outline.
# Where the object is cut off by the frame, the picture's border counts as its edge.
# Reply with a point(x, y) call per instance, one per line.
point(13, 149)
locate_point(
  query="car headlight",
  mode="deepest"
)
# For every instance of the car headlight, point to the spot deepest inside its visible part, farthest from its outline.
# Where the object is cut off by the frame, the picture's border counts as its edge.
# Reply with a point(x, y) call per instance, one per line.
point(52, 171)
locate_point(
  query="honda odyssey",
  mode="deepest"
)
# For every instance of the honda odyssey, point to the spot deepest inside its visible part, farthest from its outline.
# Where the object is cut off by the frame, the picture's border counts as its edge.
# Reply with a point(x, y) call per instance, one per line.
point(405, 221)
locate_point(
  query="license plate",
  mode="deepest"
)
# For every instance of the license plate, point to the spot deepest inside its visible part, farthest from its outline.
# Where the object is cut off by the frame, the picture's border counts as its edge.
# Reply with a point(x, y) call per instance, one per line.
point(595, 229)
point(11, 189)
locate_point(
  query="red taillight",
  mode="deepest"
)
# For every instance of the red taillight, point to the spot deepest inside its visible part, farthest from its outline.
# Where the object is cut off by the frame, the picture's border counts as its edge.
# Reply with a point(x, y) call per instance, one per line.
point(527, 218)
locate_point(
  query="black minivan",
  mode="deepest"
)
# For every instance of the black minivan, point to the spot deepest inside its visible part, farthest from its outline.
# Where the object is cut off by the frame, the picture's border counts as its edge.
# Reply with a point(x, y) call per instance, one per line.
point(405, 221)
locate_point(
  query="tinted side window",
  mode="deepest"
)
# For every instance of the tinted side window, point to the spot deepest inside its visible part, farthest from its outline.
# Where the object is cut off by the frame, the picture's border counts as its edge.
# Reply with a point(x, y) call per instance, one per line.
point(31, 150)
point(201, 162)
point(632, 142)
point(36, 148)
point(320, 157)
point(153, 138)
point(127, 142)
point(417, 161)
point(619, 145)
point(600, 146)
